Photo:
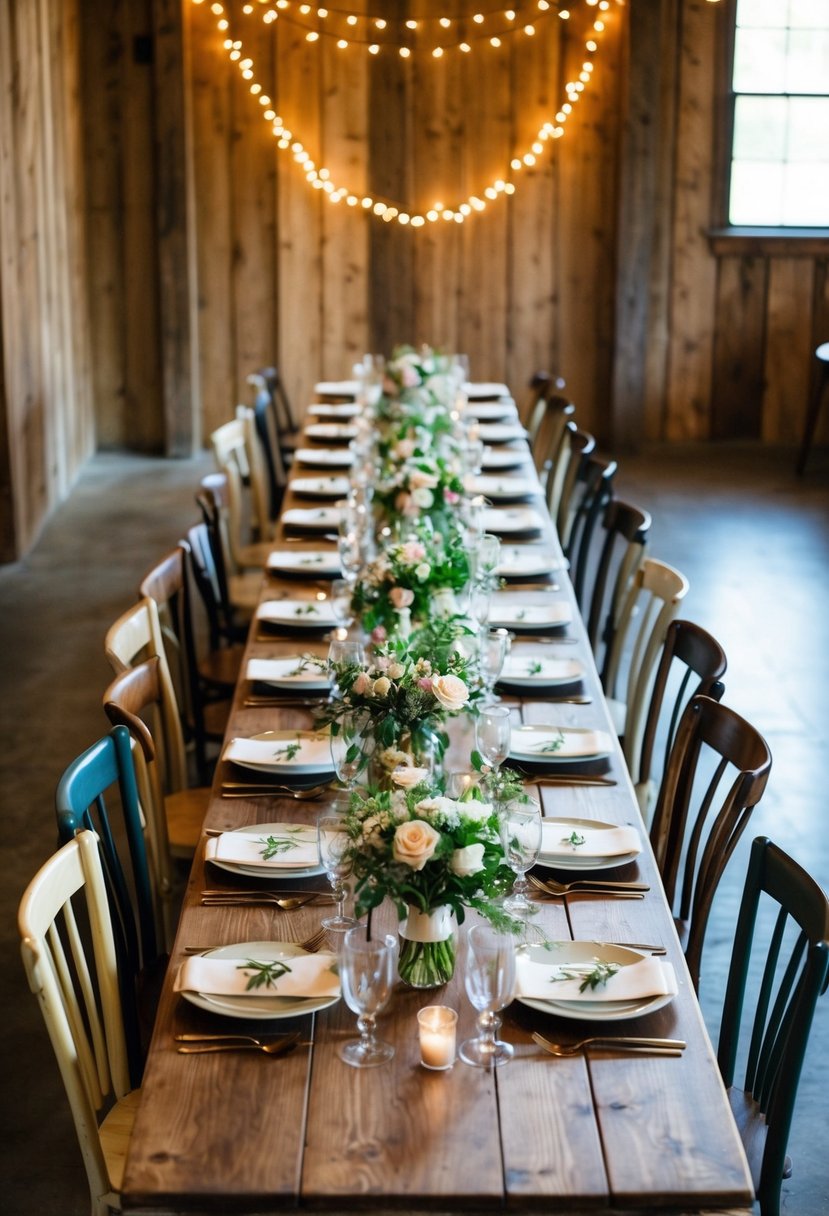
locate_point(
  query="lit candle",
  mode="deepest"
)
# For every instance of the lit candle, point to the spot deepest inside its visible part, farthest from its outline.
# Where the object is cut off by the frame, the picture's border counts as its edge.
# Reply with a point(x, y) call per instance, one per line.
point(437, 1026)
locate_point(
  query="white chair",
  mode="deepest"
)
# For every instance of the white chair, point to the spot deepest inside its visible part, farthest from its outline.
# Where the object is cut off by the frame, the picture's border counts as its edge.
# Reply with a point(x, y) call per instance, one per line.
point(75, 980)
point(636, 642)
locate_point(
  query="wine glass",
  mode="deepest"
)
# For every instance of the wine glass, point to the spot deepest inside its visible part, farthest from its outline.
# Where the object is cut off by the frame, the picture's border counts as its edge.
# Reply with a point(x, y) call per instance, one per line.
point(493, 730)
point(490, 986)
point(342, 652)
point(334, 843)
point(457, 782)
point(350, 555)
point(367, 974)
point(521, 839)
point(351, 746)
point(494, 647)
point(340, 599)
point(487, 557)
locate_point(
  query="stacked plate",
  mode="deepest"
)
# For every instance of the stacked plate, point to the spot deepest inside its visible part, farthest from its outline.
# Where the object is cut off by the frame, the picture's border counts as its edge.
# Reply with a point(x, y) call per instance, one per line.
point(334, 409)
point(334, 432)
point(546, 745)
point(528, 561)
point(535, 673)
point(504, 410)
point(296, 673)
point(504, 489)
point(637, 984)
point(296, 614)
point(199, 977)
point(319, 487)
point(323, 458)
point(313, 563)
point(504, 458)
point(513, 521)
point(314, 519)
point(501, 432)
point(509, 610)
point(294, 757)
point(587, 844)
point(482, 390)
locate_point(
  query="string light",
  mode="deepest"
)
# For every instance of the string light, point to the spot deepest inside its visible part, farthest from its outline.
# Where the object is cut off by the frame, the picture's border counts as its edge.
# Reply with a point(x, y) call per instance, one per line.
point(319, 178)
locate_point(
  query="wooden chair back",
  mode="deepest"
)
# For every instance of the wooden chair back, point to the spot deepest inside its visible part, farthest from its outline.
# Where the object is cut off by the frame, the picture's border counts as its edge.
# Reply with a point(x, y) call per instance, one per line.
point(699, 816)
point(268, 431)
point(577, 447)
point(592, 494)
point(269, 380)
point(625, 528)
point(549, 432)
point(698, 661)
point(74, 977)
point(260, 491)
point(792, 963)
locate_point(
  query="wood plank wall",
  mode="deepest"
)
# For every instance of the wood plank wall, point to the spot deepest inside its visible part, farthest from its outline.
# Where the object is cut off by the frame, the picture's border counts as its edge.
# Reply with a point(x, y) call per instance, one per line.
point(46, 399)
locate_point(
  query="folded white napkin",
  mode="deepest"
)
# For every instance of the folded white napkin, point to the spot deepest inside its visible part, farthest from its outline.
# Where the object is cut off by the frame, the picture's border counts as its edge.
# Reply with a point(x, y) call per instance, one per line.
point(310, 975)
point(574, 745)
point(322, 456)
point(331, 430)
point(285, 671)
point(315, 614)
point(337, 388)
point(501, 432)
point(523, 666)
point(512, 519)
point(598, 842)
point(650, 977)
point(314, 752)
point(334, 409)
point(531, 560)
point(312, 517)
point(315, 561)
point(478, 389)
point(246, 848)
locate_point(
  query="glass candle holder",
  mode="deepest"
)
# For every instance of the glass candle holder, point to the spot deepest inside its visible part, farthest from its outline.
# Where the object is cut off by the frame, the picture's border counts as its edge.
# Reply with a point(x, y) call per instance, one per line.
point(437, 1028)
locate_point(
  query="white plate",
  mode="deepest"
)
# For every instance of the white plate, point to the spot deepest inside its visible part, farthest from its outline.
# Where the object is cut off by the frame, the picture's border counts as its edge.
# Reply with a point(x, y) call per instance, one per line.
point(321, 458)
point(504, 458)
point(482, 390)
point(513, 519)
point(504, 488)
point(299, 614)
point(320, 487)
point(337, 388)
point(507, 611)
point(334, 409)
point(284, 673)
point(263, 1008)
point(273, 756)
point(532, 670)
point(492, 411)
point(501, 432)
point(576, 743)
point(340, 432)
point(560, 861)
point(284, 873)
point(322, 519)
point(319, 563)
point(529, 560)
point(574, 953)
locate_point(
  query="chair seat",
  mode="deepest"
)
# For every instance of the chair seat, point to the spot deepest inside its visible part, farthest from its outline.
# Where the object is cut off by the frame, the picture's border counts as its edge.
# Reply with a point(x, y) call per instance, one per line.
point(254, 557)
point(116, 1132)
point(752, 1127)
point(221, 667)
point(185, 811)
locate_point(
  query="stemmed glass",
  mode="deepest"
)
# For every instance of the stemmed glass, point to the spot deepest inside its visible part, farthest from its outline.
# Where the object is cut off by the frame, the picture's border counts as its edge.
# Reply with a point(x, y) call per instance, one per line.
point(494, 647)
point(493, 731)
point(340, 651)
point(367, 974)
point(351, 746)
point(334, 842)
point(490, 986)
point(350, 554)
point(341, 602)
point(521, 839)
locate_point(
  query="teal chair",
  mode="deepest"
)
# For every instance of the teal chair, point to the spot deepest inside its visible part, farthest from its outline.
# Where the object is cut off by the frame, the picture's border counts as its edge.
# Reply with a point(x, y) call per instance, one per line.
point(81, 803)
point(795, 973)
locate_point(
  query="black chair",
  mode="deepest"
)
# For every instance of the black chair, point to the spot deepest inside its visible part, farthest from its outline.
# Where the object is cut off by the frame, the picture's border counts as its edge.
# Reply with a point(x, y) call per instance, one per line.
point(625, 529)
point(795, 973)
point(267, 380)
point(592, 493)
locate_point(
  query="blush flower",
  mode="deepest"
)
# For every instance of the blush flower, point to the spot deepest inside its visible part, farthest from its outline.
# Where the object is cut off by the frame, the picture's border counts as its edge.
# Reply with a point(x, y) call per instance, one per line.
point(414, 843)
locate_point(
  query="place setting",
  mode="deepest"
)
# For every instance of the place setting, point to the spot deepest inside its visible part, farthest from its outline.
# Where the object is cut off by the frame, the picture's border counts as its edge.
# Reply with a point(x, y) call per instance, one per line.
point(330, 432)
point(321, 458)
point(527, 561)
point(594, 982)
point(313, 519)
point(527, 673)
point(513, 521)
point(334, 409)
point(504, 489)
point(319, 487)
point(294, 762)
point(294, 680)
point(296, 615)
point(309, 563)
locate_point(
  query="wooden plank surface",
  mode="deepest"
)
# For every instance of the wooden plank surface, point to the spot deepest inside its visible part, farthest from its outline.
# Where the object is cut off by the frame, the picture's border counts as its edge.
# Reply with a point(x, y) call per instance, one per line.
point(737, 391)
point(788, 350)
point(598, 1135)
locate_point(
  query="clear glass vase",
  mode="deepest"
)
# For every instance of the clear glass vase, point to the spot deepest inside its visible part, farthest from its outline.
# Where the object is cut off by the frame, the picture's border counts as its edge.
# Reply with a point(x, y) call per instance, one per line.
point(428, 947)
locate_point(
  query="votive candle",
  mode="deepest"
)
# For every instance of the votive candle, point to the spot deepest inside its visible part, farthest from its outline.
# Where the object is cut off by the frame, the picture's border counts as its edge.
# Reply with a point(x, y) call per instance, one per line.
point(437, 1027)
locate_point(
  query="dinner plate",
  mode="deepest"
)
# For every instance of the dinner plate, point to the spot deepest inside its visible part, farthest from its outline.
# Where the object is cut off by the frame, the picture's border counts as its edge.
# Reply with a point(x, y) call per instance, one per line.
point(334, 409)
point(484, 390)
point(501, 432)
point(291, 673)
point(337, 388)
point(491, 411)
point(528, 561)
point(262, 1008)
point(504, 458)
point(572, 860)
point(336, 432)
point(504, 489)
point(284, 873)
point(285, 753)
point(298, 614)
point(317, 519)
point(319, 563)
point(578, 954)
point(545, 744)
point(319, 487)
point(516, 519)
point(522, 670)
point(508, 611)
point(321, 458)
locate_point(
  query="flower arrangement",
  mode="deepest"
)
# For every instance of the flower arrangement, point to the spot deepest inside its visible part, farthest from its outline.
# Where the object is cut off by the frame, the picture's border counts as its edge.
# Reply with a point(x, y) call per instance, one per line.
point(405, 578)
point(433, 857)
point(416, 484)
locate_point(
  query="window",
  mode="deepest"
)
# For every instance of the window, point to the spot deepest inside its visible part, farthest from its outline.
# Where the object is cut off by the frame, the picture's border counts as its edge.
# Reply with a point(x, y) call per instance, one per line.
point(779, 173)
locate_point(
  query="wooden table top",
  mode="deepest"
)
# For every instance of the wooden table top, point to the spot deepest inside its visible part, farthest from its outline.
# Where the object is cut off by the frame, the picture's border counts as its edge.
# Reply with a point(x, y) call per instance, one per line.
point(242, 1132)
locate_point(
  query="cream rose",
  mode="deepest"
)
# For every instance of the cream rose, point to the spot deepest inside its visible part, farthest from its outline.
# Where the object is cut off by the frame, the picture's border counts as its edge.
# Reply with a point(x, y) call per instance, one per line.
point(396, 670)
point(362, 684)
point(467, 861)
point(414, 843)
point(418, 480)
point(407, 776)
point(401, 597)
point(423, 571)
point(381, 687)
point(450, 691)
point(423, 498)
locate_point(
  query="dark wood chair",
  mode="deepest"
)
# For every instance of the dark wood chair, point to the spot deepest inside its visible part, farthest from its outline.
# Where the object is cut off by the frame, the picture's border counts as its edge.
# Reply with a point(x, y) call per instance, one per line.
point(239, 566)
point(547, 428)
point(697, 661)
point(821, 384)
point(624, 530)
point(268, 381)
point(794, 960)
point(699, 817)
point(575, 446)
point(592, 493)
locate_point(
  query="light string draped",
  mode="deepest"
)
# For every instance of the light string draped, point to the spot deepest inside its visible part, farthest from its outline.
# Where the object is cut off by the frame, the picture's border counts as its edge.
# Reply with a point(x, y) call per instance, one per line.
point(319, 177)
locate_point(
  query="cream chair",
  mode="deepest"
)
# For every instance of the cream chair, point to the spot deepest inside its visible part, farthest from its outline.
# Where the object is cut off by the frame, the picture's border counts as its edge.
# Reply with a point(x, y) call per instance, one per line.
point(76, 985)
point(134, 637)
point(242, 461)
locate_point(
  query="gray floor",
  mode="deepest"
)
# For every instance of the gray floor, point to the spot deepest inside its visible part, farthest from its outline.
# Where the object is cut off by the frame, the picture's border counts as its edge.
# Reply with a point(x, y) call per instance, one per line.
point(754, 543)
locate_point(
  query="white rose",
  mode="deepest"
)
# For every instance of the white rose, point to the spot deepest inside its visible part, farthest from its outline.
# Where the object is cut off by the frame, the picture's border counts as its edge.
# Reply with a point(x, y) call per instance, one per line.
point(381, 687)
point(414, 843)
point(407, 776)
point(467, 861)
point(418, 480)
point(396, 670)
point(475, 810)
point(423, 498)
point(372, 827)
point(423, 571)
point(450, 691)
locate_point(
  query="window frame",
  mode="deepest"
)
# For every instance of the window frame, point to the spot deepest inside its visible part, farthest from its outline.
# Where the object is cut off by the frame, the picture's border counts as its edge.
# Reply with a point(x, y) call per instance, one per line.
point(725, 237)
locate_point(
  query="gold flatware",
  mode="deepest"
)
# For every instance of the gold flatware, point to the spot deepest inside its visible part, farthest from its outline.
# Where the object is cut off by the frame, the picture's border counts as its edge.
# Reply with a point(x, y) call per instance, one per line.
point(279, 1047)
point(561, 778)
point(254, 702)
point(645, 946)
point(311, 944)
point(579, 700)
point(662, 1047)
point(549, 639)
point(287, 903)
point(551, 887)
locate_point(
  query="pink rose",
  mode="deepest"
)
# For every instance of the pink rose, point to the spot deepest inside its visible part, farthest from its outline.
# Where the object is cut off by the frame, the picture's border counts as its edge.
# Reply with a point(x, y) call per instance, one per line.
point(425, 683)
point(409, 376)
point(414, 843)
point(404, 449)
point(401, 597)
point(451, 496)
point(378, 633)
point(412, 552)
point(361, 685)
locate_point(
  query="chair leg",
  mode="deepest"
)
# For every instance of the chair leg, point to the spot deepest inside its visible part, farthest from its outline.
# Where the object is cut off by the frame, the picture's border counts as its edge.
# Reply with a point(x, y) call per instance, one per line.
point(812, 417)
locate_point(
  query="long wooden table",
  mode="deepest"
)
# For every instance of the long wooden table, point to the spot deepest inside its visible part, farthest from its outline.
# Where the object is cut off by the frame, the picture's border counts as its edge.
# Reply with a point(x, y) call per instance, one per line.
point(243, 1132)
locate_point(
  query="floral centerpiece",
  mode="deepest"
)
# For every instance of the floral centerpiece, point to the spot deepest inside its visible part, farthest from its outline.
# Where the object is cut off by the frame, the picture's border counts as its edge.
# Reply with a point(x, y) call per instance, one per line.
point(417, 484)
point(404, 581)
point(433, 857)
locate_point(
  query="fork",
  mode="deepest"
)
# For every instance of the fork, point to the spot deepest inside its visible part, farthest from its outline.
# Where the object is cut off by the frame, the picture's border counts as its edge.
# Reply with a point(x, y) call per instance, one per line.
point(241, 899)
point(311, 944)
point(560, 890)
point(661, 1047)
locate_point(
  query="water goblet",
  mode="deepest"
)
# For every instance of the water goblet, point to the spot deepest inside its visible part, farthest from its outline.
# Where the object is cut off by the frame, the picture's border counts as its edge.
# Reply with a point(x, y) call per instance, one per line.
point(490, 985)
point(520, 820)
point(334, 845)
point(350, 555)
point(473, 456)
point(457, 782)
point(493, 730)
point(367, 975)
point(487, 557)
point(494, 647)
point(343, 653)
point(341, 602)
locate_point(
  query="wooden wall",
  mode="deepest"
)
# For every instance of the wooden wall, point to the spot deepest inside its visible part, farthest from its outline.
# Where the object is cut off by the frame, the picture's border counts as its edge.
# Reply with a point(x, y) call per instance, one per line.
point(46, 423)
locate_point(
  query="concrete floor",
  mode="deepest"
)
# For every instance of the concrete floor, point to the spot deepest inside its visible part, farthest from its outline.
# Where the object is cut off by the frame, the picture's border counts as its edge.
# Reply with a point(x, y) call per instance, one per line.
point(754, 542)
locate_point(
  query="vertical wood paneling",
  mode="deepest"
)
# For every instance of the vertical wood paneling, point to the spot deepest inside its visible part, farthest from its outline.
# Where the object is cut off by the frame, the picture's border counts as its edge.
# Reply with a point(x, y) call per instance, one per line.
point(737, 393)
point(820, 333)
point(788, 348)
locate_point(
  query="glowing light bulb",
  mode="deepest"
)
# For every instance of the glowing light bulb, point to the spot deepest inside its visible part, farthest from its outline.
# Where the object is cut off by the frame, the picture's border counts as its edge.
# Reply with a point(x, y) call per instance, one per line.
point(341, 44)
point(418, 221)
point(351, 20)
point(495, 42)
point(529, 30)
point(478, 18)
point(465, 47)
point(431, 216)
point(312, 36)
point(437, 52)
point(445, 22)
point(411, 25)
point(374, 49)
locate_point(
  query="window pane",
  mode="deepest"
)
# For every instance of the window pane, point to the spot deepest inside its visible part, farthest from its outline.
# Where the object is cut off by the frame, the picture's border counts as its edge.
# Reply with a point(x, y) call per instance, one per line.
point(807, 68)
point(808, 14)
point(760, 61)
point(806, 195)
point(756, 194)
point(760, 128)
point(808, 134)
point(761, 13)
